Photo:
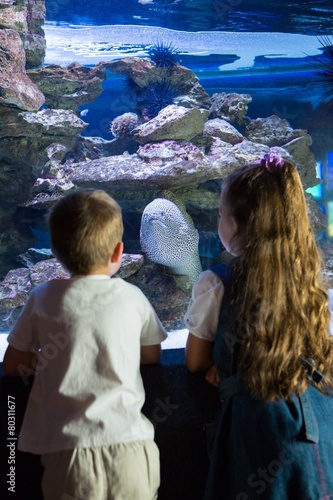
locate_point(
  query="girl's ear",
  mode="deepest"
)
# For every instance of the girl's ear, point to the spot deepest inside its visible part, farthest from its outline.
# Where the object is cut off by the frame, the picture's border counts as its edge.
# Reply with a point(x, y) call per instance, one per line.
point(236, 242)
point(118, 252)
point(234, 224)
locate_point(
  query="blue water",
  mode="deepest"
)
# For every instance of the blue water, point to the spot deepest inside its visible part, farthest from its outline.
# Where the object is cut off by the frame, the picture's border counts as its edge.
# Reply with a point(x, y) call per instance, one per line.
point(311, 17)
point(274, 68)
point(261, 49)
point(264, 49)
point(243, 46)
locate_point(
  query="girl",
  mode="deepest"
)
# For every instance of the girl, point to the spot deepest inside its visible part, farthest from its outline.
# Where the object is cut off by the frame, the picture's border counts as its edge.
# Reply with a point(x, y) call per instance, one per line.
point(271, 346)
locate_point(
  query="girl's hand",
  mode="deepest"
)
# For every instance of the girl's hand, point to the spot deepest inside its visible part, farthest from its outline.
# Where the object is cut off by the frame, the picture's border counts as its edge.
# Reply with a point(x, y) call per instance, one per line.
point(212, 376)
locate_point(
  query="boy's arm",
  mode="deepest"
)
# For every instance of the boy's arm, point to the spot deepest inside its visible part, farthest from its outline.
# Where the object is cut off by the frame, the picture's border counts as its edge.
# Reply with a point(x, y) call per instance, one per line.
point(14, 361)
point(198, 353)
point(150, 354)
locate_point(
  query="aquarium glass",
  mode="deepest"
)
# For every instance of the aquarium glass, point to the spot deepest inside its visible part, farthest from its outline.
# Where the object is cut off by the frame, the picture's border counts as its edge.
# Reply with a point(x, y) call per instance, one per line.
point(271, 50)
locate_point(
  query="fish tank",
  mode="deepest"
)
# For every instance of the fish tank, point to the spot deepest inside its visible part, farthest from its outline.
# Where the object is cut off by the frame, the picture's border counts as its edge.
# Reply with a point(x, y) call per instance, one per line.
point(155, 102)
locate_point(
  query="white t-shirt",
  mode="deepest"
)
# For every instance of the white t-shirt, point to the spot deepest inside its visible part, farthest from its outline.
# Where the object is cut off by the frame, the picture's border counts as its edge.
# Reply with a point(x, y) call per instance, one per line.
point(88, 389)
point(202, 315)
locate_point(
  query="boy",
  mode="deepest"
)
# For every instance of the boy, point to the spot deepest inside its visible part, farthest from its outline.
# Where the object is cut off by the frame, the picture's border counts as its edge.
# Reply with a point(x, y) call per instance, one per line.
point(84, 339)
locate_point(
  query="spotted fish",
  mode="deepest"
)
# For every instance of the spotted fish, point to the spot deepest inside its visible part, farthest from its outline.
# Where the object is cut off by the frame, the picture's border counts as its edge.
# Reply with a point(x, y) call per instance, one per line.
point(168, 236)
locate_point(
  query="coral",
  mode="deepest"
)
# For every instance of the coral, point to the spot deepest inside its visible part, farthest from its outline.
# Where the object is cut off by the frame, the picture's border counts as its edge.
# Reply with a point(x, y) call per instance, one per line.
point(156, 97)
point(324, 67)
point(163, 54)
point(123, 125)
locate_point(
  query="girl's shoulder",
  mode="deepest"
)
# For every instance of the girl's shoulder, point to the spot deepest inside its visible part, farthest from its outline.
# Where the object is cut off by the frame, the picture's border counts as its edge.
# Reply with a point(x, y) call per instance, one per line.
point(225, 271)
point(207, 279)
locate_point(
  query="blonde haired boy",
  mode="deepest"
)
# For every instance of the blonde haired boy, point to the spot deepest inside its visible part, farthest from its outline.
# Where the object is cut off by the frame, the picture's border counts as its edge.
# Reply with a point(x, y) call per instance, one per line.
point(84, 339)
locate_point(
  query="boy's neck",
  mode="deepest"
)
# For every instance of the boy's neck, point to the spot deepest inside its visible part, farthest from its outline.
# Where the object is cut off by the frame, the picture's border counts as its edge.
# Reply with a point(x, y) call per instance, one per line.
point(99, 271)
point(109, 270)
point(111, 267)
point(93, 273)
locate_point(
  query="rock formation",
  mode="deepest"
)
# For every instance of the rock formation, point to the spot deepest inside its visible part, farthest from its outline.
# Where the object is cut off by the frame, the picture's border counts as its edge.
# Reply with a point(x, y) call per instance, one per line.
point(68, 88)
point(187, 149)
point(20, 30)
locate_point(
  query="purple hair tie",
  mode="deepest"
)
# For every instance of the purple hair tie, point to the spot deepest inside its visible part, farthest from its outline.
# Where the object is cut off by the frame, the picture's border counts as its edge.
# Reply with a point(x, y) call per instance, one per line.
point(273, 163)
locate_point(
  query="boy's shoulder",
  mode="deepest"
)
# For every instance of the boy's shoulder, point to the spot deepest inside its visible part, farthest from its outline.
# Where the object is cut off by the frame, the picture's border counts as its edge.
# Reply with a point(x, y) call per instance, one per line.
point(51, 284)
point(126, 286)
point(86, 286)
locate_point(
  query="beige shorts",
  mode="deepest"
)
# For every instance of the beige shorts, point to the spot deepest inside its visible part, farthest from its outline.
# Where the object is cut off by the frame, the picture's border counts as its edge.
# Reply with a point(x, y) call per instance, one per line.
point(125, 471)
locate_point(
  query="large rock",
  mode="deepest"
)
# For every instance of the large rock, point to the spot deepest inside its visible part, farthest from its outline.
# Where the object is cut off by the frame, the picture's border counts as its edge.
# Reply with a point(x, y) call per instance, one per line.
point(68, 88)
point(141, 71)
point(303, 159)
point(13, 240)
point(160, 152)
point(92, 148)
point(229, 157)
point(30, 143)
point(224, 130)
point(24, 138)
point(164, 165)
point(131, 173)
point(16, 88)
point(173, 122)
point(272, 131)
point(13, 16)
point(34, 38)
point(231, 107)
point(51, 122)
point(22, 44)
point(27, 18)
point(144, 72)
